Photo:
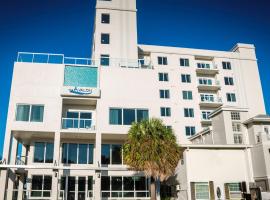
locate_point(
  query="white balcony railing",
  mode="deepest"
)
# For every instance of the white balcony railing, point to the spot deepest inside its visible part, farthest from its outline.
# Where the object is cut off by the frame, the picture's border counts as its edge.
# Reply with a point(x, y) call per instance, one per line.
point(210, 99)
point(208, 82)
point(75, 123)
point(47, 58)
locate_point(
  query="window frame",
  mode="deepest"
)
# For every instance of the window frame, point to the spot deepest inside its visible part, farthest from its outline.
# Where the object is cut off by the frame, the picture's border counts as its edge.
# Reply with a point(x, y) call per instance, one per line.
point(189, 94)
point(42, 185)
point(226, 65)
point(202, 183)
point(164, 94)
point(228, 80)
point(185, 78)
point(105, 38)
point(167, 111)
point(162, 60)
point(189, 113)
point(30, 112)
point(104, 21)
point(231, 97)
point(184, 62)
point(190, 129)
point(111, 154)
point(163, 77)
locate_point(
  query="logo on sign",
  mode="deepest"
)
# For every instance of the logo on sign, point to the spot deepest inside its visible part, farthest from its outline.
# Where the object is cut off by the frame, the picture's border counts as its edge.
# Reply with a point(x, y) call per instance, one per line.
point(81, 91)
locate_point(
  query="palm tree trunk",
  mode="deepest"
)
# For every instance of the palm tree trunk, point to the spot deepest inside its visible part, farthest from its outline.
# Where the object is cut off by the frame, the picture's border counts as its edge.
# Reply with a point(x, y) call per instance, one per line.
point(153, 189)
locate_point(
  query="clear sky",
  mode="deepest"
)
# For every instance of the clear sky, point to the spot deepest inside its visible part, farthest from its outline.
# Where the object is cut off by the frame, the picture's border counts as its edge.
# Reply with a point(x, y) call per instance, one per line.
point(66, 26)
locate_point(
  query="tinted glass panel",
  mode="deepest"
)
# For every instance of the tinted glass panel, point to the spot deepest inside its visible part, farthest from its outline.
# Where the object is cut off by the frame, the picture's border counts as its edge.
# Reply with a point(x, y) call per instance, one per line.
point(140, 183)
point(72, 153)
point(39, 152)
point(83, 153)
point(37, 113)
point(128, 183)
point(105, 183)
point(49, 152)
point(64, 153)
point(116, 183)
point(129, 116)
point(116, 154)
point(22, 113)
point(142, 115)
point(115, 116)
point(105, 154)
point(90, 154)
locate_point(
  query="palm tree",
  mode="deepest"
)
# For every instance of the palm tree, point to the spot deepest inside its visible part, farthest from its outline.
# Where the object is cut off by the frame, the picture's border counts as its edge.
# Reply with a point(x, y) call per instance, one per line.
point(151, 147)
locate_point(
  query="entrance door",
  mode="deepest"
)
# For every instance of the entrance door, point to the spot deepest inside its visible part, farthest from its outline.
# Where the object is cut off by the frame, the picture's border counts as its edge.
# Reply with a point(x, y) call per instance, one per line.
point(71, 189)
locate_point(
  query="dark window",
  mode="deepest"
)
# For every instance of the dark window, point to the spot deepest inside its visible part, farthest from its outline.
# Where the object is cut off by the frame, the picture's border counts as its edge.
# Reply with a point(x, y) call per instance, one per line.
point(228, 81)
point(22, 113)
point(129, 116)
point(72, 153)
point(82, 154)
point(165, 112)
point(90, 154)
point(105, 18)
point(163, 77)
point(185, 78)
point(49, 153)
point(105, 154)
point(116, 183)
point(116, 154)
point(142, 115)
point(164, 94)
point(43, 152)
point(226, 65)
point(188, 112)
point(105, 60)
point(115, 116)
point(37, 113)
point(231, 97)
point(187, 95)
point(105, 183)
point(184, 62)
point(162, 60)
point(190, 130)
point(105, 38)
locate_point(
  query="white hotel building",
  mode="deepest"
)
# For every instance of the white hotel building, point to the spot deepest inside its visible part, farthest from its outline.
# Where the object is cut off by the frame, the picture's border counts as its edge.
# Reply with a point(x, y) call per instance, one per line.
point(68, 117)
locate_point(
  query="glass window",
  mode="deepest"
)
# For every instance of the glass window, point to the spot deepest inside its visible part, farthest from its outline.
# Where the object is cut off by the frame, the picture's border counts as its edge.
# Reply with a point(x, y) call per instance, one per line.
point(185, 78)
point(72, 153)
point(201, 190)
point(117, 183)
point(231, 97)
point(115, 116)
point(37, 113)
point(39, 152)
point(83, 153)
point(162, 60)
point(190, 130)
point(105, 183)
point(105, 18)
point(228, 81)
point(129, 116)
point(235, 115)
point(22, 113)
point(165, 112)
point(105, 60)
point(163, 76)
point(226, 65)
point(142, 115)
point(49, 152)
point(116, 154)
point(184, 62)
point(236, 126)
point(105, 154)
point(90, 154)
point(37, 186)
point(105, 38)
point(164, 94)
point(188, 112)
point(187, 95)
point(47, 186)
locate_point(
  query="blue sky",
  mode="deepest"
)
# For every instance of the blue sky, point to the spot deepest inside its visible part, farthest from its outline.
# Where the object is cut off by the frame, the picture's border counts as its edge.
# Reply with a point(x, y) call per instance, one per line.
point(66, 26)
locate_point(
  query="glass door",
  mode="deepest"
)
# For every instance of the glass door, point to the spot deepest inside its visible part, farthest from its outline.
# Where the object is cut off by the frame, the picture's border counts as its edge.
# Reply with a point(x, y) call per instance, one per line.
point(71, 189)
point(81, 188)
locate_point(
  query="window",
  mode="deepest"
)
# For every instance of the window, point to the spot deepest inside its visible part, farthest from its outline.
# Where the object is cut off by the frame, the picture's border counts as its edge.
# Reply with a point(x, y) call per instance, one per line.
point(114, 187)
point(163, 77)
point(77, 119)
point(185, 78)
point(231, 97)
point(203, 65)
point(205, 115)
point(235, 116)
point(238, 138)
point(164, 94)
point(77, 153)
point(111, 154)
point(120, 116)
point(190, 130)
point(184, 62)
point(236, 127)
point(207, 98)
point(32, 113)
point(105, 38)
point(105, 18)
point(187, 95)
point(235, 190)
point(162, 60)
point(228, 81)
point(105, 60)
point(226, 65)
point(43, 152)
point(205, 81)
point(165, 112)
point(41, 186)
point(202, 190)
point(188, 112)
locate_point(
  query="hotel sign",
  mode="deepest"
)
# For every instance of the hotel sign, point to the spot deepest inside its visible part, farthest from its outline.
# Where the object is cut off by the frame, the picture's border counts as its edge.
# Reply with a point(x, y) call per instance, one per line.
point(80, 91)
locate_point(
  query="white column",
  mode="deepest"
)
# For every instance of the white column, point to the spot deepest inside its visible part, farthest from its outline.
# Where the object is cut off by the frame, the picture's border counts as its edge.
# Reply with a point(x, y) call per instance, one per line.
point(56, 156)
point(97, 177)
point(11, 173)
point(22, 178)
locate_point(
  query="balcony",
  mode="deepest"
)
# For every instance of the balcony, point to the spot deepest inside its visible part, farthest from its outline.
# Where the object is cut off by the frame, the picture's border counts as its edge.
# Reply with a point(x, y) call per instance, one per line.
point(206, 68)
point(208, 84)
point(208, 100)
point(126, 63)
